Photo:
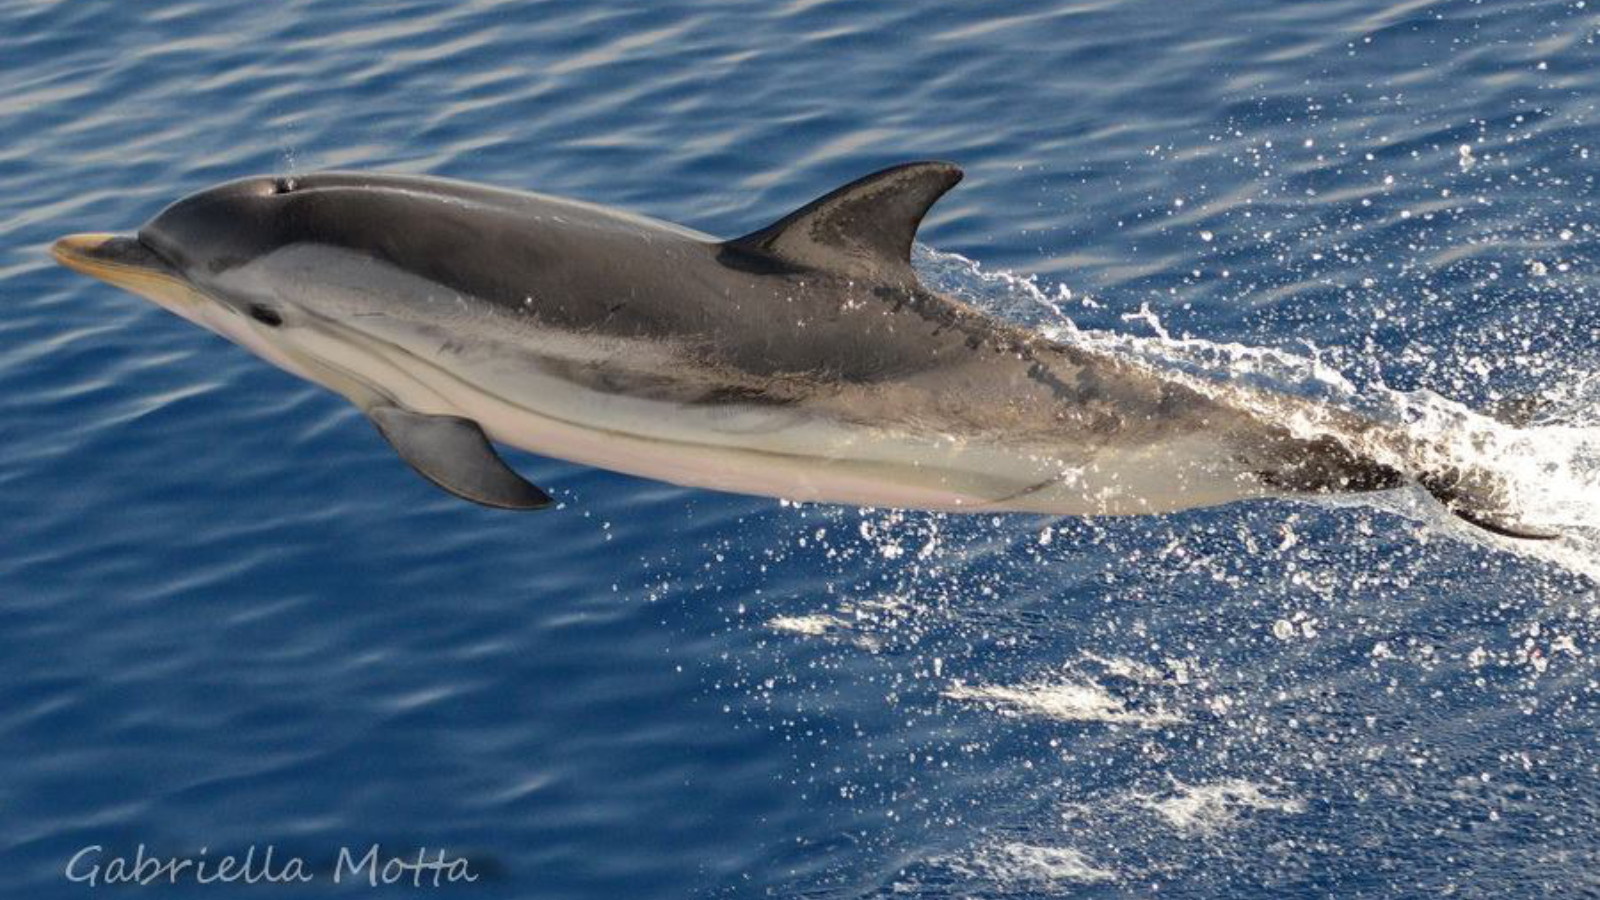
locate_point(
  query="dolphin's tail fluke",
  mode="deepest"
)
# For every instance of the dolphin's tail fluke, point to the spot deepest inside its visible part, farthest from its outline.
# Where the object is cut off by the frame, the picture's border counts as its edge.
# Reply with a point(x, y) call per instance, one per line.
point(1479, 501)
point(1329, 465)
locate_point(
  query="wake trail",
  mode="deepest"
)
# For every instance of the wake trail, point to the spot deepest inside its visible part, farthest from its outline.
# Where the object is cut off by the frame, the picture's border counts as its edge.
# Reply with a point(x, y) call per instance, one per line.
point(1549, 465)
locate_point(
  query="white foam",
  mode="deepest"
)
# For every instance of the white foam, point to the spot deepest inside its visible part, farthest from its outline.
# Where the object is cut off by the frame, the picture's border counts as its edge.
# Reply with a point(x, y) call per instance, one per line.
point(1198, 809)
point(1133, 670)
point(1033, 866)
point(823, 625)
point(815, 625)
point(1064, 701)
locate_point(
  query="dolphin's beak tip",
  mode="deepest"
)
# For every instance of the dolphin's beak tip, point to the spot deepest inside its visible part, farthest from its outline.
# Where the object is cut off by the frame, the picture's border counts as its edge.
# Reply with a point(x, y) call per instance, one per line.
point(116, 258)
point(124, 261)
point(78, 248)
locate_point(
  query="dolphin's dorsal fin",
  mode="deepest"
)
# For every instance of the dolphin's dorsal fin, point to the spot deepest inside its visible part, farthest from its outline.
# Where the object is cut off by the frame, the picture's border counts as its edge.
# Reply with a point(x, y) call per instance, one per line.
point(863, 229)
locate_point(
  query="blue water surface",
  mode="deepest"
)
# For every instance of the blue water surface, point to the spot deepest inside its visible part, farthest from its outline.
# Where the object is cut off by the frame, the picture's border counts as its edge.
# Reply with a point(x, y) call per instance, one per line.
point(231, 618)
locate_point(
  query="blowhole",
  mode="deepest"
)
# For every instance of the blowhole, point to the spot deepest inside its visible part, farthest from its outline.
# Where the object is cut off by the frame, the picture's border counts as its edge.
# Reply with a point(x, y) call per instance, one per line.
point(283, 185)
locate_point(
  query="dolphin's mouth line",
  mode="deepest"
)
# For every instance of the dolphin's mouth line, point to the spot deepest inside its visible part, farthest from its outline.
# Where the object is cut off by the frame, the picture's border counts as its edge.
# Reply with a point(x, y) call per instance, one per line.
point(121, 260)
point(94, 254)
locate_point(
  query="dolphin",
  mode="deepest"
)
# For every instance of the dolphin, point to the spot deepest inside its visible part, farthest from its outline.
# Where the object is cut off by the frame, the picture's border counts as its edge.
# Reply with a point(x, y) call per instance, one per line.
point(804, 360)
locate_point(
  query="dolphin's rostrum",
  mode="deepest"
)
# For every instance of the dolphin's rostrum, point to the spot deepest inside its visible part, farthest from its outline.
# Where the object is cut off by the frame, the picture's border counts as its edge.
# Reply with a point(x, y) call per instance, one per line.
point(804, 360)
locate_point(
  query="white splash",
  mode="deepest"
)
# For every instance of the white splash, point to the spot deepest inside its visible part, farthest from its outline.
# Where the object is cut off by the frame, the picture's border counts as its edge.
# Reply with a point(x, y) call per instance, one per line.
point(1198, 809)
point(1064, 701)
point(1030, 866)
point(815, 625)
point(1550, 466)
point(824, 625)
point(1131, 669)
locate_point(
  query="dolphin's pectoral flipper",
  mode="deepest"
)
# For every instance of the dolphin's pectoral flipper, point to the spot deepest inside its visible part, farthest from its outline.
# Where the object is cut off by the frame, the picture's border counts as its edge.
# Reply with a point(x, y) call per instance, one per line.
point(864, 229)
point(454, 454)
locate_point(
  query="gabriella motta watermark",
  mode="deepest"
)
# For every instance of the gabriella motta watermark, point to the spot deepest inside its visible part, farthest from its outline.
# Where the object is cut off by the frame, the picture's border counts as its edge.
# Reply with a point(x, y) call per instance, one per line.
point(371, 865)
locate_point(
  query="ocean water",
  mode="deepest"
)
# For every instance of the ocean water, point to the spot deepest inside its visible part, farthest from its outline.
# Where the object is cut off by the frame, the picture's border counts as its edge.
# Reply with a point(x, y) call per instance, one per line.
point(231, 619)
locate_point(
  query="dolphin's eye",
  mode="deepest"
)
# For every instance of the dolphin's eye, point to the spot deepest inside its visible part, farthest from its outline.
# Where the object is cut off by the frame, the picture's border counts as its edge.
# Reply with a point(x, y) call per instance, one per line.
point(266, 315)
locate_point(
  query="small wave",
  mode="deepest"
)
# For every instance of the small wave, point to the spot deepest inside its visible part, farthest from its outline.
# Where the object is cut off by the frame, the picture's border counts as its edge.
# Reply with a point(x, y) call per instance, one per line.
point(823, 625)
point(1014, 864)
point(1065, 701)
point(814, 625)
point(1133, 670)
point(1202, 809)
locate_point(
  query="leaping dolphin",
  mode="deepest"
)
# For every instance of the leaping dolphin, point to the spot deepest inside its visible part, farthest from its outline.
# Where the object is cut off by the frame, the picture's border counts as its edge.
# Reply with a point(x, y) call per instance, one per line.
point(804, 360)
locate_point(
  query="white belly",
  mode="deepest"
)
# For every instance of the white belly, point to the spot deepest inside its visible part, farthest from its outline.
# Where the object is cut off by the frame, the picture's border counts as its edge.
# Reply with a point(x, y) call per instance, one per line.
point(790, 454)
point(785, 452)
